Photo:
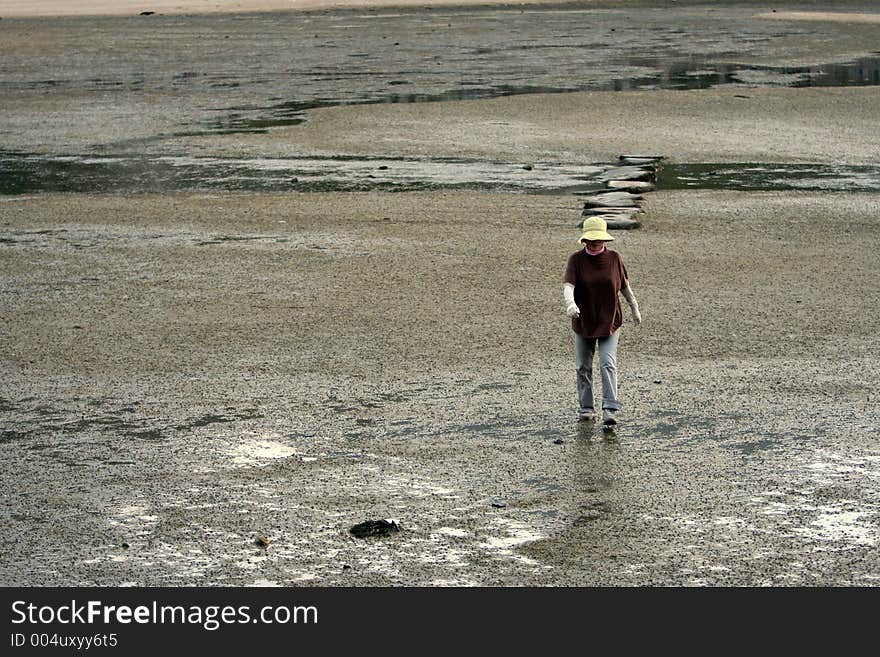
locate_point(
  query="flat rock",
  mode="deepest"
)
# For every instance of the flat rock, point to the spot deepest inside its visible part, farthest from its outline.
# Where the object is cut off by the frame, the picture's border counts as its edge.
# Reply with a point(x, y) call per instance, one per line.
point(630, 173)
point(591, 212)
point(611, 199)
point(638, 160)
point(635, 186)
point(623, 224)
point(611, 218)
point(614, 196)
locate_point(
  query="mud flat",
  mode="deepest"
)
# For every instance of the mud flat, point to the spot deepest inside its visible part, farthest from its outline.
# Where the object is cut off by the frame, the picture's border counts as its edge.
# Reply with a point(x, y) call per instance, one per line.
point(182, 372)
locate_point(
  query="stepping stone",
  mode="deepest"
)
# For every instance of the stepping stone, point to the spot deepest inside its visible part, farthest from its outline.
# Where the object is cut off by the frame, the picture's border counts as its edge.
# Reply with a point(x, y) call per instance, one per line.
point(610, 218)
point(630, 173)
point(631, 185)
point(612, 199)
point(623, 224)
point(592, 212)
point(639, 160)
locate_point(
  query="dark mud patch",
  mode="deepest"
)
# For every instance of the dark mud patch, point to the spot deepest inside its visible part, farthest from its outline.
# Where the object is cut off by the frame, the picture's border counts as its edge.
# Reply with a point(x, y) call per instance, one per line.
point(543, 485)
point(154, 435)
point(214, 418)
point(9, 435)
point(748, 448)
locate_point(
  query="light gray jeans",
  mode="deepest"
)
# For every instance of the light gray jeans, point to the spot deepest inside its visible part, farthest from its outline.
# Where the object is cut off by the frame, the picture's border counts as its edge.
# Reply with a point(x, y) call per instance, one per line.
point(584, 349)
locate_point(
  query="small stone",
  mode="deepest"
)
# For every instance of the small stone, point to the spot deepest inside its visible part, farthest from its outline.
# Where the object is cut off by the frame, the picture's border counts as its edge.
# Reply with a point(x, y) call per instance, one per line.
point(345, 567)
point(125, 546)
point(261, 540)
point(375, 528)
point(658, 381)
point(499, 504)
point(558, 441)
point(528, 167)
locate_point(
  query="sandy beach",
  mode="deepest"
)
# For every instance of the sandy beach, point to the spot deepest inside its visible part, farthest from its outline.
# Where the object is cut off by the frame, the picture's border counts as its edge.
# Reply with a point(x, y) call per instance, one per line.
point(53, 8)
point(183, 370)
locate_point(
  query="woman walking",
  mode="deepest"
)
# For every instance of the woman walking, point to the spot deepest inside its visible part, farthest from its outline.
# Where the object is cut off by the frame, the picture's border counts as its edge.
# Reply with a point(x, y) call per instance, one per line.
point(594, 276)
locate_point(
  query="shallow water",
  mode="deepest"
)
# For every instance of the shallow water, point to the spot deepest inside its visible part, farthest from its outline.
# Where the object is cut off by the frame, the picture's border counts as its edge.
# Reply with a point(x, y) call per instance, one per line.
point(639, 73)
point(31, 173)
point(770, 177)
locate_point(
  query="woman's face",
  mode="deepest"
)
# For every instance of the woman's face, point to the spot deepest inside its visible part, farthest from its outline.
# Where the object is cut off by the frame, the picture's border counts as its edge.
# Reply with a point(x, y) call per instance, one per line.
point(593, 245)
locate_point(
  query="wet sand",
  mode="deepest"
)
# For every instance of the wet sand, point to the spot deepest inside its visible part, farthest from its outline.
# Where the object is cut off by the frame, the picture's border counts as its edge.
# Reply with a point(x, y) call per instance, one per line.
point(181, 371)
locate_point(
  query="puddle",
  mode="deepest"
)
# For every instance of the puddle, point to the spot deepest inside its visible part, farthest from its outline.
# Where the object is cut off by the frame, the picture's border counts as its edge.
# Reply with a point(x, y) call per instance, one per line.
point(510, 534)
point(838, 524)
point(258, 451)
point(770, 177)
point(703, 73)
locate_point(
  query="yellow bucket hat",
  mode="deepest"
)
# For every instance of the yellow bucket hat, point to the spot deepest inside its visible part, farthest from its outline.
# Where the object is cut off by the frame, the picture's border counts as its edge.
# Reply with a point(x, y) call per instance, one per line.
point(595, 228)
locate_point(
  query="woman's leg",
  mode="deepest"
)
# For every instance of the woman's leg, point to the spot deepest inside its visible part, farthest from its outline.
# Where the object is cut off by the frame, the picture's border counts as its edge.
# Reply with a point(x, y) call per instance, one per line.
point(584, 349)
point(608, 370)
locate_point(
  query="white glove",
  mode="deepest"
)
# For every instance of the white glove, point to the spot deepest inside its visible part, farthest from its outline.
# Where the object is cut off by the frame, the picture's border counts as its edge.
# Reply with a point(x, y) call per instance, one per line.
point(637, 316)
point(570, 306)
point(633, 304)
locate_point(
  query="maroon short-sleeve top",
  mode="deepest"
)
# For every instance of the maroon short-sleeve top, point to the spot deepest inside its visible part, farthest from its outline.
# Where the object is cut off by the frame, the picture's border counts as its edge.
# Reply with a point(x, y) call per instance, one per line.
point(597, 280)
